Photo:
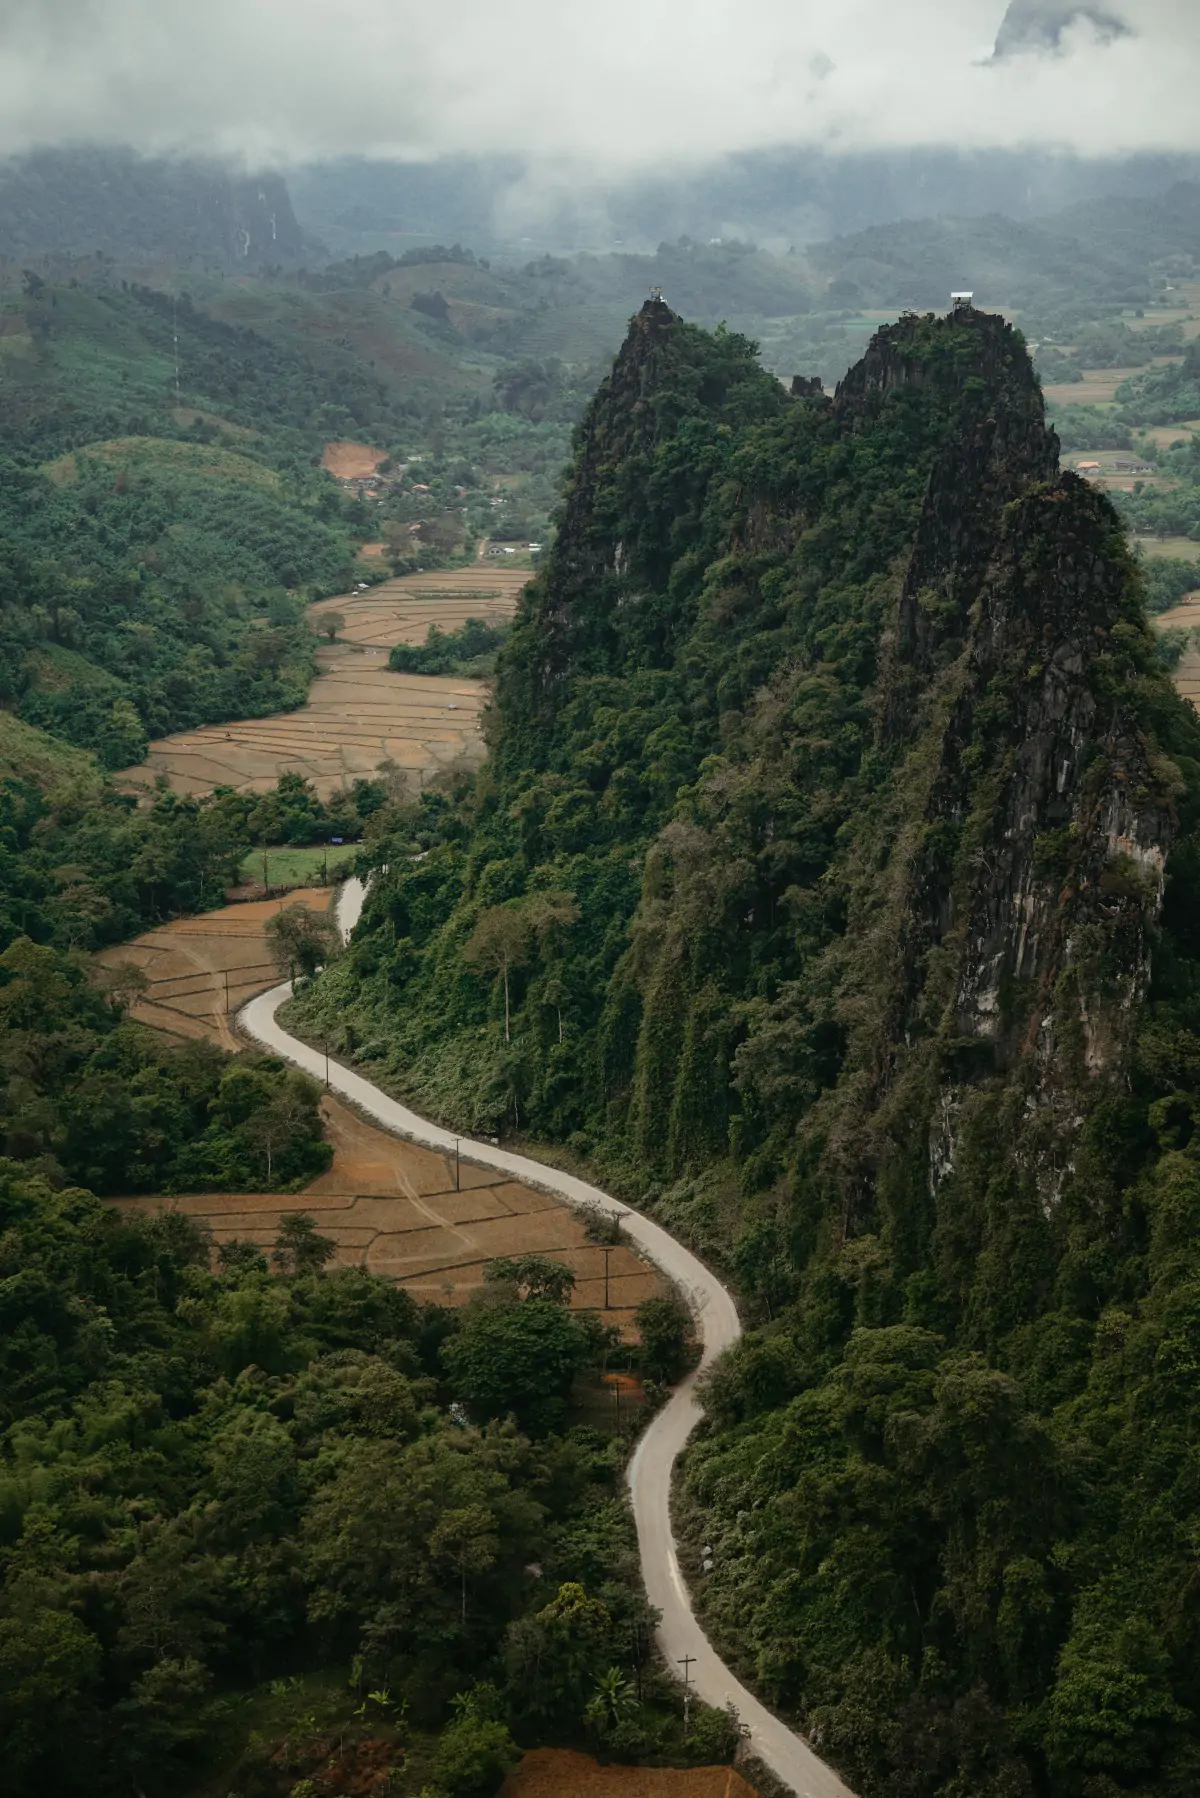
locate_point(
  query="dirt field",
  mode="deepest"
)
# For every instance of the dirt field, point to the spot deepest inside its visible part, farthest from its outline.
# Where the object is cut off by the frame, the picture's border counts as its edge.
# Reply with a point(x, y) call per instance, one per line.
point(1099, 385)
point(1164, 436)
point(392, 1207)
point(1097, 388)
point(351, 461)
point(561, 1773)
point(1182, 549)
point(395, 1209)
point(401, 611)
point(192, 965)
point(1185, 617)
point(358, 712)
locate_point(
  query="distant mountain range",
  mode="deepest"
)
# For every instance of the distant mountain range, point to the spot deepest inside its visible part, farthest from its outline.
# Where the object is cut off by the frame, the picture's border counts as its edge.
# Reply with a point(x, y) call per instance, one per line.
point(141, 209)
point(774, 198)
point(144, 210)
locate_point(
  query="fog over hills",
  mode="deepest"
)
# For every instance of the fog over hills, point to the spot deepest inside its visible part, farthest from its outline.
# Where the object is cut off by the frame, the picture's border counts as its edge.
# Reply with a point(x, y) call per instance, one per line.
point(149, 209)
point(777, 198)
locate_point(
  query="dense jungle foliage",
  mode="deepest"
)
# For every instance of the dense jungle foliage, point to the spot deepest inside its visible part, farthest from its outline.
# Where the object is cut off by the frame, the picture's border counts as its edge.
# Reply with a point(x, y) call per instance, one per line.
point(90, 1097)
point(83, 866)
point(245, 1543)
point(764, 797)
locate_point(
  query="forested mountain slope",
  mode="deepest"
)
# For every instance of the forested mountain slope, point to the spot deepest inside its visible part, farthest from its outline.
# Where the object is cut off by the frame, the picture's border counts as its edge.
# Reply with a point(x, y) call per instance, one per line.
point(832, 883)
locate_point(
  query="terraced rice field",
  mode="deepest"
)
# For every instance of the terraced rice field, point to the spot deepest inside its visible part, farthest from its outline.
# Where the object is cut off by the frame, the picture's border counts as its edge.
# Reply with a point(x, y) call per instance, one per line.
point(358, 714)
point(202, 969)
point(407, 1213)
point(390, 1206)
point(1185, 617)
point(401, 611)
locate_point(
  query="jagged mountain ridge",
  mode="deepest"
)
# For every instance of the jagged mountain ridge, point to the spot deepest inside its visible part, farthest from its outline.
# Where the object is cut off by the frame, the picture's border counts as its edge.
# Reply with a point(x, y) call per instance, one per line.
point(952, 790)
point(832, 887)
point(970, 620)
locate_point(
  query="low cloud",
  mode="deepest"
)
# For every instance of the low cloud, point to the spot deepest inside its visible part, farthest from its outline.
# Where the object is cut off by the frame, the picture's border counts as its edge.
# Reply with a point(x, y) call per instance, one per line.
point(1043, 25)
point(628, 85)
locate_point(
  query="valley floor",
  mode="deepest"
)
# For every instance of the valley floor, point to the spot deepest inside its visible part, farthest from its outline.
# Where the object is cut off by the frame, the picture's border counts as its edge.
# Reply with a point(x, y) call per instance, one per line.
point(359, 713)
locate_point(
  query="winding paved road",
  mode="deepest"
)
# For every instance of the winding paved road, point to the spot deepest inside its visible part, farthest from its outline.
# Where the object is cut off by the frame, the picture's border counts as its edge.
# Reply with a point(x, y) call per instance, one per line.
point(679, 1632)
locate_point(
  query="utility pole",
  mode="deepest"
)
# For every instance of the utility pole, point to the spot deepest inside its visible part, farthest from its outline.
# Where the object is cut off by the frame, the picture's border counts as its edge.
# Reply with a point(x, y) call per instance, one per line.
point(325, 1041)
point(225, 971)
point(686, 1661)
point(456, 1167)
point(607, 1253)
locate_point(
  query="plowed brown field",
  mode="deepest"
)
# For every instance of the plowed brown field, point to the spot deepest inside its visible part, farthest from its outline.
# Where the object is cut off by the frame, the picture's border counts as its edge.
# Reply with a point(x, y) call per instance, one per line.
point(358, 714)
point(394, 1208)
point(201, 969)
point(561, 1773)
point(399, 1210)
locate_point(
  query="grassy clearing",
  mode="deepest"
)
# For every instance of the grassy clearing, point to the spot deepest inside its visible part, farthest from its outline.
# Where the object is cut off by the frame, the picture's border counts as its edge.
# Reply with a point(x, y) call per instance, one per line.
point(1181, 549)
point(29, 754)
point(163, 455)
point(292, 865)
point(191, 415)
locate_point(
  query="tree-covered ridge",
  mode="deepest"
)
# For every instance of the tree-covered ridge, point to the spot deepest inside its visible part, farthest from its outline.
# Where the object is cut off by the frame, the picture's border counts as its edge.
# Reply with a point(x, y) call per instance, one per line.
point(155, 555)
point(816, 889)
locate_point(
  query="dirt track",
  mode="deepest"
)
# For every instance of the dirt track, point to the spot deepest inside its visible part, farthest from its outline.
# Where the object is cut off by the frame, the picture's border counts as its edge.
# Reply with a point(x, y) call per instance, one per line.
point(358, 714)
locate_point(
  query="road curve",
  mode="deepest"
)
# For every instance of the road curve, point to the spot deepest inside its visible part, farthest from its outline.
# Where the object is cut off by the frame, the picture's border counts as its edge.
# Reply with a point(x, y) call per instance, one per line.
point(649, 1475)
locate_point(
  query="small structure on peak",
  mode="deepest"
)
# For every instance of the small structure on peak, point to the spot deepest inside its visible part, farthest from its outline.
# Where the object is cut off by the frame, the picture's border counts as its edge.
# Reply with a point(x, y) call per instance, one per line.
point(657, 297)
point(807, 387)
point(962, 302)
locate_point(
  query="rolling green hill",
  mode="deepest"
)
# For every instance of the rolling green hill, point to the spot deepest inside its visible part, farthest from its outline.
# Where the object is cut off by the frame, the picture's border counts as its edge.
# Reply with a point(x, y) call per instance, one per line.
point(38, 759)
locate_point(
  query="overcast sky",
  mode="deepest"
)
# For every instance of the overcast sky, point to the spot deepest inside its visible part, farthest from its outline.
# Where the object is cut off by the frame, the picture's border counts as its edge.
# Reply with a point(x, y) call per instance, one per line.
point(622, 83)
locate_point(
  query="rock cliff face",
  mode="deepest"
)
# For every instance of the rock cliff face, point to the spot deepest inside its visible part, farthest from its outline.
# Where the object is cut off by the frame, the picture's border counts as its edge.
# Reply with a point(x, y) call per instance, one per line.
point(1047, 817)
point(1001, 868)
point(135, 209)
